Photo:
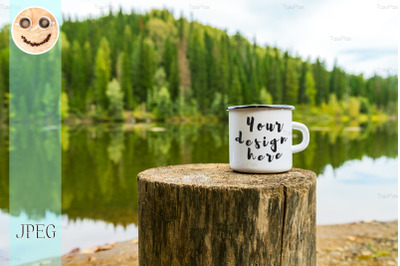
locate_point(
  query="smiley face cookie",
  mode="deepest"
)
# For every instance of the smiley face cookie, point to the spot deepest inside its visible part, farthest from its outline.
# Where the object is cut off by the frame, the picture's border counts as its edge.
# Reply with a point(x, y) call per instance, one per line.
point(35, 30)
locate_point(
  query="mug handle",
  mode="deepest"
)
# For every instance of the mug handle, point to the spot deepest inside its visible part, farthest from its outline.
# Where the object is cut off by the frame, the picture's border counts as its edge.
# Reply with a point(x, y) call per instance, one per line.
point(306, 137)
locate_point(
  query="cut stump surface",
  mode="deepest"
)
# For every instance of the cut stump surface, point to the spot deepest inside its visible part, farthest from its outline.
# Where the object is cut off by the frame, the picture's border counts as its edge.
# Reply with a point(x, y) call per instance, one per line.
point(207, 214)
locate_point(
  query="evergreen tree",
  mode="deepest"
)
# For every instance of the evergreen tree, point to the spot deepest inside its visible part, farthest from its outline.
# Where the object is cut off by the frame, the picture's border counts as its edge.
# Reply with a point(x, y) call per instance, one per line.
point(127, 40)
point(235, 94)
point(285, 71)
point(181, 27)
point(204, 67)
point(126, 81)
point(267, 68)
point(275, 77)
point(78, 80)
point(259, 54)
point(174, 78)
point(302, 83)
point(321, 84)
point(87, 65)
point(144, 69)
point(357, 85)
point(291, 84)
point(334, 80)
point(66, 61)
point(254, 78)
point(343, 86)
point(337, 82)
point(4, 70)
point(310, 87)
point(102, 74)
point(168, 56)
point(4, 73)
point(171, 67)
point(222, 69)
point(198, 68)
point(115, 99)
point(211, 63)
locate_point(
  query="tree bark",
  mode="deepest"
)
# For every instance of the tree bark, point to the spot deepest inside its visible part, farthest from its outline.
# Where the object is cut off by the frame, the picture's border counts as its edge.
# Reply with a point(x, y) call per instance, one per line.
point(206, 214)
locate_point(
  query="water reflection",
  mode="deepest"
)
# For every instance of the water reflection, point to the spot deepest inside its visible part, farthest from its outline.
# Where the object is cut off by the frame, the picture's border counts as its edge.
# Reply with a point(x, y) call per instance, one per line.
point(337, 144)
point(100, 163)
point(359, 190)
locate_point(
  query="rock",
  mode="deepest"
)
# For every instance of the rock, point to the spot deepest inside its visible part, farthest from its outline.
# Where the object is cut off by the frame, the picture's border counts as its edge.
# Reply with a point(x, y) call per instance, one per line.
point(105, 247)
point(365, 254)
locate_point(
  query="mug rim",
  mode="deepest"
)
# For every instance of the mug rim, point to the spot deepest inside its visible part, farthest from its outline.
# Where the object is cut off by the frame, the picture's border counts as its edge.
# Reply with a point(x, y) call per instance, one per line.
point(268, 106)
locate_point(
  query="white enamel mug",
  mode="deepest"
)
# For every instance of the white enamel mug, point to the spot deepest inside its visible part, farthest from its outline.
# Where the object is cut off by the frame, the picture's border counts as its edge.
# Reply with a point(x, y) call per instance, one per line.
point(260, 138)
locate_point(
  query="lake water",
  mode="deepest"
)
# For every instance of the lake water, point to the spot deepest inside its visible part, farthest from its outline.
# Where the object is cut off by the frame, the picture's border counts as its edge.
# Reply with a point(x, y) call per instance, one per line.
point(356, 167)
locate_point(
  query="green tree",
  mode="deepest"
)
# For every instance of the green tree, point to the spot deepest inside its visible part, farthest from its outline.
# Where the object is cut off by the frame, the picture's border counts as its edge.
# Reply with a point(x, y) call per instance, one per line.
point(174, 79)
point(158, 31)
point(302, 83)
point(357, 85)
point(254, 78)
point(267, 67)
point(198, 68)
point(321, 82)
point(354, 107)
point(337, 82)
point(235, 94)
point(145, 65)
point(310, 88)
point(4, 83)
point(222, 68)
point(127, 40)
point(275, 77)
point(126, 81)
point(64, 105)
point(87, 65)
point(66, 65)
point(168, 56)
point(116, 100)
point(171, 67)
point(78, 87)
point(265, 97)
point(102, 73)
point(199, 61)
point(164, 104)
point(211, 63)
point(291, 83)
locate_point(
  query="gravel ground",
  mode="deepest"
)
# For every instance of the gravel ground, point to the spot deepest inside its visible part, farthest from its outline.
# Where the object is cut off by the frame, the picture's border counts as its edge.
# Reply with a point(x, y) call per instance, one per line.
point(364, 243)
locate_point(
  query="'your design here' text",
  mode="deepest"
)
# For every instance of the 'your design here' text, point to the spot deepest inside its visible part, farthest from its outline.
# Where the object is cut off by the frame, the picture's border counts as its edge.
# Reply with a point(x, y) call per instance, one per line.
point(264, 148)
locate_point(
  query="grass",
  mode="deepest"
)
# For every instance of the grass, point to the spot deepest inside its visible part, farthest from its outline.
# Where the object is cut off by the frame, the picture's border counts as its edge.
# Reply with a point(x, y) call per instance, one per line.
point(375, 253)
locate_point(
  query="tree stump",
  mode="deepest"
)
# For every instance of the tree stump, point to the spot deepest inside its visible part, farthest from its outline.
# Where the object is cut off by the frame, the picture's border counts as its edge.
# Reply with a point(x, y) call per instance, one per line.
point(206, 214)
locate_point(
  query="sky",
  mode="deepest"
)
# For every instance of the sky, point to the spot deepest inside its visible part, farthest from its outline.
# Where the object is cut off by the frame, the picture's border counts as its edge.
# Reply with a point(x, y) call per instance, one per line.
point(361, 36)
